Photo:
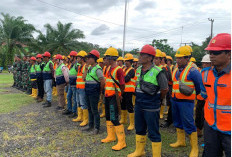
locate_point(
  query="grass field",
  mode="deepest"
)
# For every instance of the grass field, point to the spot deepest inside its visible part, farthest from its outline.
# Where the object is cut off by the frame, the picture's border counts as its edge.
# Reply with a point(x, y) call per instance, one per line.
point(67, 139)
point(10, 99)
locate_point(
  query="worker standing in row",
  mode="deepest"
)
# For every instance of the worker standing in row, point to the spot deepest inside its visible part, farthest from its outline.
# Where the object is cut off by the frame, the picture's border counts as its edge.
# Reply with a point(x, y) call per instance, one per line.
point(94, 84)
point(71, 96)
point(186, 86)
point(48, 76)
point(151, 87)
point(80, 91)
point(216, 89)
point(114, 86)
point(40, 83)
point(127, 105)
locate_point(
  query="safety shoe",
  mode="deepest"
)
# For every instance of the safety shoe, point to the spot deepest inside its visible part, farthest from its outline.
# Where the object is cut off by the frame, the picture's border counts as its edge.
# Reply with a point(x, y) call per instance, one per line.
point(96, 131)
point(48, 104)
point(66, 112)
point(73, 115)
point(88, 128)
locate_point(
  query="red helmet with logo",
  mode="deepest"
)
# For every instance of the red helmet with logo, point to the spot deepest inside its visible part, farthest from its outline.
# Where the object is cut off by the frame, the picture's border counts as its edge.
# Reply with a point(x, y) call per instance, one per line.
point(39, 56)
point(220, 42)
point(95, 53)
point(58, 56)
point(47, 54)
point(148, 49)
point(73, 53)
point(33, 58)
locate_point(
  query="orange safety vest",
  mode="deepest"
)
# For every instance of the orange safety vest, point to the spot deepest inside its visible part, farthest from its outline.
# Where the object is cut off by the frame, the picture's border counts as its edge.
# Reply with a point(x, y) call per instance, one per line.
point(218, 104)
point(129, 86)
point(55, 66)
point(183, 77)
point(109, 83)
point(80, 83)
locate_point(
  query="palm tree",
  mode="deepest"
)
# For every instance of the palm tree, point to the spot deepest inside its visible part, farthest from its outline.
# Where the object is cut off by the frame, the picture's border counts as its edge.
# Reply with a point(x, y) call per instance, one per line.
point(15, 34)
point(61, 39)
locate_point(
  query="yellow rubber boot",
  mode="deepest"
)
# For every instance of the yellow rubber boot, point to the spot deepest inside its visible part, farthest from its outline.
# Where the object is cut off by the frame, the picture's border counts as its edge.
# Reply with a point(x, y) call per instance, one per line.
point(79, 115)
point(133, 99)
point(180, 139)
point(110, 133)
point(85, 117)
point(121, 138)
point(167, 110)
point(194, 145)
point(140, 146)
point(132, 121)
point(32, 93)
point(162, 111)
point(103, 114)
point(65, 97)
point(156, 149)
point(123, 117)
point(54, 91)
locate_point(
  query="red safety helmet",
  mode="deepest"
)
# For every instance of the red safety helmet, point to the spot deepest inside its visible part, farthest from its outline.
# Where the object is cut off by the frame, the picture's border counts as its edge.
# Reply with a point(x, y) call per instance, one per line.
point(73, 53)
point(220, 42)
point(95, 53)
point(148, 49)
point(39, 56)
point(58, 56)
point(47, 54)
point(33, 58)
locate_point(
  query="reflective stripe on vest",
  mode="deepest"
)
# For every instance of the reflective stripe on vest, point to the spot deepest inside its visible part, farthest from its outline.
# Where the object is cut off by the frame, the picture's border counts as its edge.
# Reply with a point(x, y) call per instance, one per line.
point(183, 77)
point(217, 108)
point(130, 85)
point(47, 74)
point(150, 76)
point(80, 82)
point(59, 75)
point(109, 85)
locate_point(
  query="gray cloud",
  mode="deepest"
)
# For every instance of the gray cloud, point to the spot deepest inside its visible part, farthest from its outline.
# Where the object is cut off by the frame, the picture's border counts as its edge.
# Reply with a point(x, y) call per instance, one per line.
point(143, 5)
point(100, 30)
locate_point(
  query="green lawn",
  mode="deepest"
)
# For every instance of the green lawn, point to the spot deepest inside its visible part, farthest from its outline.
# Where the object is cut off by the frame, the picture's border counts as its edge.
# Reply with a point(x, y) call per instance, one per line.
point(11, 101)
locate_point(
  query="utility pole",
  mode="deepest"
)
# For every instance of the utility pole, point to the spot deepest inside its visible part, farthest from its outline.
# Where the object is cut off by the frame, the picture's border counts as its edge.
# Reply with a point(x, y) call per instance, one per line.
point(211, 20)
point(181, 35)
point(124, 31)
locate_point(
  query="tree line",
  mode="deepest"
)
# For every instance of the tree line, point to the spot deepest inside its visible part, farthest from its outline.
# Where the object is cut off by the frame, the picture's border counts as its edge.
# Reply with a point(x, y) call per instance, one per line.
point(18, 37)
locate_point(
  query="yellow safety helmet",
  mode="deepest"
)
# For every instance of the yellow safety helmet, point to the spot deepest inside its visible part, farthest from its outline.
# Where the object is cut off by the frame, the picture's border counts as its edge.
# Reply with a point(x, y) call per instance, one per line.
point(64, 57)
point(183, 51)
point(136, 60)
point(192, 59)
point(128, 56)
point(82, 54)
point(158, 53)
point(163, 54)
point(112, 52)
point(100, 60)
point(169, 57)
point(120, 59)
point(54, 56)
point(190, 48)
point(69, 56)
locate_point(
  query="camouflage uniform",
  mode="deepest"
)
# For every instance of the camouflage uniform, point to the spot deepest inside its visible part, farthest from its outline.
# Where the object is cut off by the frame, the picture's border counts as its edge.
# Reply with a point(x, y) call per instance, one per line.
point(14, 72)
point(28, 81)
point(24, 75)
point(19, 74)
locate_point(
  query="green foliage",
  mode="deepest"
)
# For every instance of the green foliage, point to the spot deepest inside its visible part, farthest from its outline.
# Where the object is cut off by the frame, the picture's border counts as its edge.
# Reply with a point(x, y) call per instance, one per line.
point(163, 46)
point(15, 33)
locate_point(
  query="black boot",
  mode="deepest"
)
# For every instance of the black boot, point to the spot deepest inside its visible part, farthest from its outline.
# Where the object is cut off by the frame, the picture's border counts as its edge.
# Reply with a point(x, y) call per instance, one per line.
point(88, 128)
point(165, 125)
point(73, 115)
point(48, 104)
point(66, 112)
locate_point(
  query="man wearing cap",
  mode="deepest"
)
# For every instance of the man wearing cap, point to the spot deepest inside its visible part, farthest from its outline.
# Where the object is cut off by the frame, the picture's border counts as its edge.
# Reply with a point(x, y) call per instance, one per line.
point(151, 87)
point(216, 89)
point(48, 76)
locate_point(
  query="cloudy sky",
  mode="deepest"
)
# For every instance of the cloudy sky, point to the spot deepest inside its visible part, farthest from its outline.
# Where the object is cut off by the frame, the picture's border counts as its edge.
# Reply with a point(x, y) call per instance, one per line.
point(102, 20)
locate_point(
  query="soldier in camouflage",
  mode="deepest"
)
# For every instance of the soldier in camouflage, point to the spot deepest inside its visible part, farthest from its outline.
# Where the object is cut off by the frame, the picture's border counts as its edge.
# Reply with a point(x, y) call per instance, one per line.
point(19, 74)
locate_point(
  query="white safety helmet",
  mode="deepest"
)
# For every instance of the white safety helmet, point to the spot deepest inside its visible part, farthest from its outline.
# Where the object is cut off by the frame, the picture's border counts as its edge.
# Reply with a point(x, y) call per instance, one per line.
point(206, 59)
